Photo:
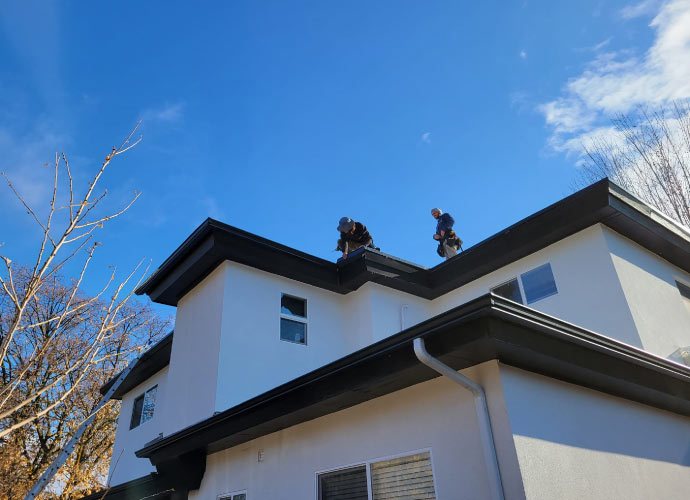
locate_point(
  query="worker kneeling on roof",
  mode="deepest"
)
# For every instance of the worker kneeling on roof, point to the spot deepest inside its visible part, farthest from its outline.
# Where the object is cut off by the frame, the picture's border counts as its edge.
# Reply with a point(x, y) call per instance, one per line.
point(448, 242)
point(353, 235)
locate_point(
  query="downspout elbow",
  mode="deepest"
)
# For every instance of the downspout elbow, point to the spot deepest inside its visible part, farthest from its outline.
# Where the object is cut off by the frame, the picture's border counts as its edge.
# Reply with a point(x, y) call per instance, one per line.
point(433, 363)
point(483, 420)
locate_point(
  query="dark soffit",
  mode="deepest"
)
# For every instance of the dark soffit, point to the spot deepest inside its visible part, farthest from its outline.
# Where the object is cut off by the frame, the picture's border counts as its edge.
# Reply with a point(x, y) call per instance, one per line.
point(151, 362)
point(151, 487)
point(603, 202)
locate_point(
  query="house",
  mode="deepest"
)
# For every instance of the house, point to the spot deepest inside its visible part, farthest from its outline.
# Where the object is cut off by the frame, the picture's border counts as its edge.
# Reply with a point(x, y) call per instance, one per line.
point(546, 362)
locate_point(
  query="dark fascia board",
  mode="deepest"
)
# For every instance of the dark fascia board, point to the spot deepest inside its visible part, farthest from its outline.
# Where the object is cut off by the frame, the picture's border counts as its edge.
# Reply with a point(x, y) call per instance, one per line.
point(486, 328)
point(213, 242)
point(602, 202)
point(151, 362)
point(152, 486)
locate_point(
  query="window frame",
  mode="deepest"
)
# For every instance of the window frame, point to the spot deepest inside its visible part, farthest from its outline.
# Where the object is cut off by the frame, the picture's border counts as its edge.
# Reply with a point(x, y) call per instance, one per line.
point(367, 466)
point(519, 285)
point(230, 495)
point(142, 397)
point(292, 317)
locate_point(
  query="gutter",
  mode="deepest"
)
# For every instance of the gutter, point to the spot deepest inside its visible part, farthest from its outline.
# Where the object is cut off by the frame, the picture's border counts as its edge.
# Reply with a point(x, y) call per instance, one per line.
point(485, 434)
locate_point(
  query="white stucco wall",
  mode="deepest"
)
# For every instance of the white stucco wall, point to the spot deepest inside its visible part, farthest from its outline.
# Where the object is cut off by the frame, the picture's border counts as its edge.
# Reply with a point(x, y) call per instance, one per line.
point(253, 359)
point(124, 465)
point(649, 285)
point(193, 369)
point(574, 443)
point(436, 415)
point(589, 293)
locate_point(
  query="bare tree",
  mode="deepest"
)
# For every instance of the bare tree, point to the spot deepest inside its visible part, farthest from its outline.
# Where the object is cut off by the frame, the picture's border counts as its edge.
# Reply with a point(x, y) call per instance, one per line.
point(57, 345)
point(649, 156)
point(26, 452)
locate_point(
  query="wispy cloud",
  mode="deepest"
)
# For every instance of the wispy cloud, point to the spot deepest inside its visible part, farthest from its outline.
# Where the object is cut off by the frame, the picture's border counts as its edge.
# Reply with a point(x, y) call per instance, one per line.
point(523, 54)
point(24, 161)
point(644, 8)
point(170, 113)
point(426, 137)
point(617, 82)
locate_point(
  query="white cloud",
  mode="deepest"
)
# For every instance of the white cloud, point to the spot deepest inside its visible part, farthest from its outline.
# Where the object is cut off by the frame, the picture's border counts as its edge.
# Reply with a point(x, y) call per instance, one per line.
point(170, 113)
point(24, 161)
point(601, 45)
point(523, 54)
point(426, 137)
point(644, 8)
point(617, 82)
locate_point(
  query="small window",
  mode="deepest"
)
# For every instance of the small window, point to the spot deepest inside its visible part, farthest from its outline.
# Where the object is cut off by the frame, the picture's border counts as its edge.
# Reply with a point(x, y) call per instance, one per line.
point(538, 283)
point(142, 410)
point(238, 495)
point(293, 319)
point(350, 484)
point(509, 290)
point(404, 477)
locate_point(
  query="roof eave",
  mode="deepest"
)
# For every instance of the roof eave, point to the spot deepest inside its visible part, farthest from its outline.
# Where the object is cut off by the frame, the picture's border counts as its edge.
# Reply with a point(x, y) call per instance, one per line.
point(484, 329)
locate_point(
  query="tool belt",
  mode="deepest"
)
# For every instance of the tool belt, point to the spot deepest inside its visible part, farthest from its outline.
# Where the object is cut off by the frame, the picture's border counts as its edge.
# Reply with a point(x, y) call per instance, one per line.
point(451, 239)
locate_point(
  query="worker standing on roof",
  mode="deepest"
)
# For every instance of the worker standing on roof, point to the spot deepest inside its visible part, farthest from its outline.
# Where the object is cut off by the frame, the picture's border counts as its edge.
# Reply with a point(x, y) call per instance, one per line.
point(353, 235)
point(448, 242)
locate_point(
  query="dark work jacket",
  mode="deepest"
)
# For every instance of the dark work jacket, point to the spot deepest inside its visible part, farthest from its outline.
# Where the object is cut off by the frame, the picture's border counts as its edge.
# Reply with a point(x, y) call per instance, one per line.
point(359, 235)
point(445, 223)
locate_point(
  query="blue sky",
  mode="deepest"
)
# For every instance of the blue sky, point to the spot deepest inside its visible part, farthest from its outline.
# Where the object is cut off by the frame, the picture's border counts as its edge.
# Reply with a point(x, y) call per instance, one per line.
point(281, 117)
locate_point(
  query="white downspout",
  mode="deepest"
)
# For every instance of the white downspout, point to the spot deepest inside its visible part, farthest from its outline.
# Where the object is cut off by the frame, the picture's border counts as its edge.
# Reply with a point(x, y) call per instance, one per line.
point(485, 433)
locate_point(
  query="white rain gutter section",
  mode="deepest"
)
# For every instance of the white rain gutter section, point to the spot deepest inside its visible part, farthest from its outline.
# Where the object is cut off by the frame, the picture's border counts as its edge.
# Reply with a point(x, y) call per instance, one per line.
point(482, 409)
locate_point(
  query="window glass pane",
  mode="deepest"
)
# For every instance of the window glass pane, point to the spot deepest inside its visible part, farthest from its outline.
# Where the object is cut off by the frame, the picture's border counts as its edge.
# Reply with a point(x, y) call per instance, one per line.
point(294, 331)
point(241, 496)
point(538, 283)
point(136, 412)
point(405, 477)
point(348, 484)
point(149, 404)
point(293, 305)
point(510, 291)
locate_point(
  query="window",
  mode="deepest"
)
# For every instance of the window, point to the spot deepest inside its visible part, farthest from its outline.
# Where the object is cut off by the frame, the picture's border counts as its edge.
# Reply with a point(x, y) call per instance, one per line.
point(509, 290)
point(142, 410)
point(403, 477)
point(237, 495)
point(293, 319)
point(538, 283)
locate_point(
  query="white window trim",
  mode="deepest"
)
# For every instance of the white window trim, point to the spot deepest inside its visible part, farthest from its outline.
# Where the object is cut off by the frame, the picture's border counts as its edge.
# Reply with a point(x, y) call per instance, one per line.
point(143, 395)
point(228, 496)
point(520, 287)
point(367, 464)
point(299, 319)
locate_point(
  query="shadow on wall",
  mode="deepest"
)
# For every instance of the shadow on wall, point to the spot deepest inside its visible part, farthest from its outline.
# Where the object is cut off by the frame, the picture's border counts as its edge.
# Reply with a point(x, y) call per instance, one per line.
point(551, 410)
